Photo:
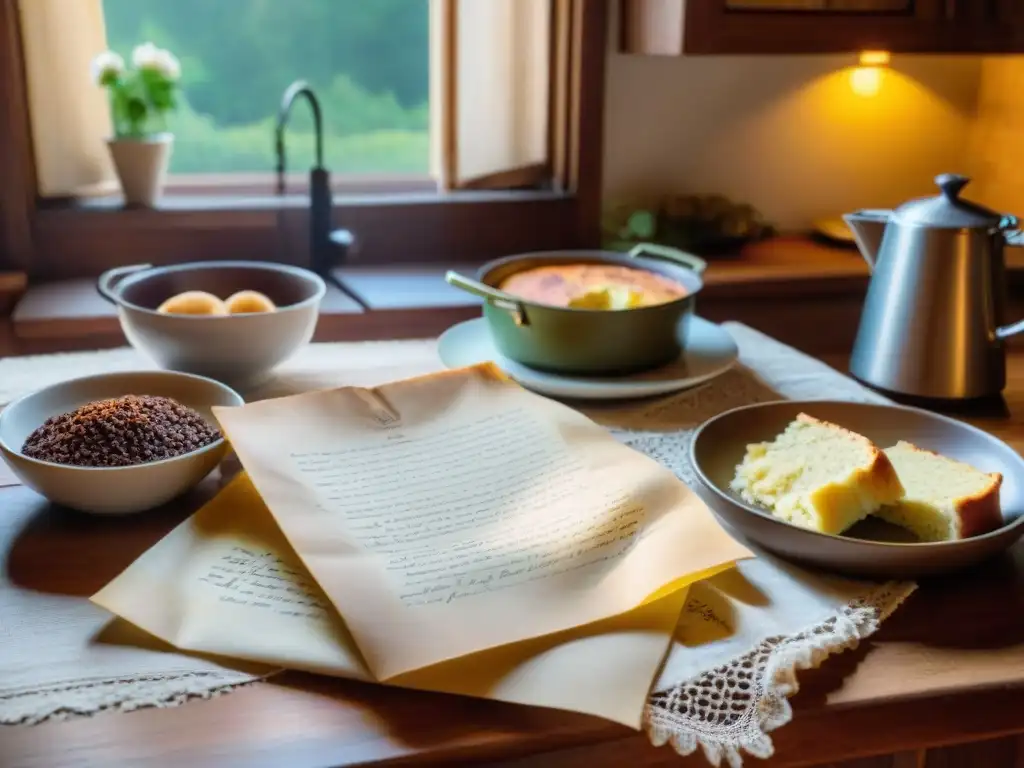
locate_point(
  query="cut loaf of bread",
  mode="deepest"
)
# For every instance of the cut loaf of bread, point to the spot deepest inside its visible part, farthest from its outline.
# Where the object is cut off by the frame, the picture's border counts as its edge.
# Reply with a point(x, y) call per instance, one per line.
point(817, 475)
point(944, 499)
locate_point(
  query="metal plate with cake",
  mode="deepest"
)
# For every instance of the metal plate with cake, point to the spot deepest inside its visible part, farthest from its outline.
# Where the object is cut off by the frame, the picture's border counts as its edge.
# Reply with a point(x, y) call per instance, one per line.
point(870, 548)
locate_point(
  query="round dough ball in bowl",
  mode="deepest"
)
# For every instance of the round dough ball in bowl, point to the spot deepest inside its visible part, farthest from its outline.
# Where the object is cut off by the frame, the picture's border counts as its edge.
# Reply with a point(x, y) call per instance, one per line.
point(246, 302)
point(193, 303)
point(241, 348)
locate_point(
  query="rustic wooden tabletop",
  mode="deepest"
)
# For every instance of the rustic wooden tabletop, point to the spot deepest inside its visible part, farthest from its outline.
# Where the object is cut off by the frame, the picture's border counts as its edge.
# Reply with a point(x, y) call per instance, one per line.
point(947, 668)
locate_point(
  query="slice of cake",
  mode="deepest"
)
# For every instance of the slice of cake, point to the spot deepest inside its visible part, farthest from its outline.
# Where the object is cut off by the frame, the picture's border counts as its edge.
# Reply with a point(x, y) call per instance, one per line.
point(817, 475)
point(944, 499)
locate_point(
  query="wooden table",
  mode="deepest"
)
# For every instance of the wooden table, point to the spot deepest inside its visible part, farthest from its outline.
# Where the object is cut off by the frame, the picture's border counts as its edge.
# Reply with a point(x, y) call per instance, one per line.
point(946, 669)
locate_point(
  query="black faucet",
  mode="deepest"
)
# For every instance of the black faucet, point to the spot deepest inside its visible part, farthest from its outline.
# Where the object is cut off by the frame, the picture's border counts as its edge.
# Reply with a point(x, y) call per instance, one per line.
point(326, 247)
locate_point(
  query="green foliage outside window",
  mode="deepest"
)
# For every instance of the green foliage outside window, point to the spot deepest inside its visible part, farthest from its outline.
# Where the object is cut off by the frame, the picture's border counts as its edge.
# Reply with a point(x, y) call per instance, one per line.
point(367, 60)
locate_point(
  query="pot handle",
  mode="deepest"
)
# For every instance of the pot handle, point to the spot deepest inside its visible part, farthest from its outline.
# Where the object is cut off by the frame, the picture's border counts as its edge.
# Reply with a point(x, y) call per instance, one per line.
point(106, 282)
point(492, 296)
point(665, 253)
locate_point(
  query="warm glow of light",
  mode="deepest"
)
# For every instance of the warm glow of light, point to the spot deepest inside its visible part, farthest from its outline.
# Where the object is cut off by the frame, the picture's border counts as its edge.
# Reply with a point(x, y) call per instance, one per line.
point(866, 81)
point(874, 58)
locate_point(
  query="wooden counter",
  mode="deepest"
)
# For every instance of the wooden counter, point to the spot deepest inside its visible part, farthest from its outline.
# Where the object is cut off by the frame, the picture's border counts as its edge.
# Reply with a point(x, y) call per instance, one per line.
point(801, 291)
point(797, 290)
point(946, 669)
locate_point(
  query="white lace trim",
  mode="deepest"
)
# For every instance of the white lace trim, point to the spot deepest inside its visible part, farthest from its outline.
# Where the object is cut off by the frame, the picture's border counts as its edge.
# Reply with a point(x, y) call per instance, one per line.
point(83, 698)
point(731, 709)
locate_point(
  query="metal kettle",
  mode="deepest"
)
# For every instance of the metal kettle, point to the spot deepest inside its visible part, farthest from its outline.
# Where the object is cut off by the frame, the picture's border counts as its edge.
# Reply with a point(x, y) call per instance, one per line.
point(932, 325)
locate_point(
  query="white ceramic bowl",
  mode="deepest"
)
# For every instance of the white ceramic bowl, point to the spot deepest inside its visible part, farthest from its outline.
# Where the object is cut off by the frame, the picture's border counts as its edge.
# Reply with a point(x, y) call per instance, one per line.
point(113, 490)
point(240, 350)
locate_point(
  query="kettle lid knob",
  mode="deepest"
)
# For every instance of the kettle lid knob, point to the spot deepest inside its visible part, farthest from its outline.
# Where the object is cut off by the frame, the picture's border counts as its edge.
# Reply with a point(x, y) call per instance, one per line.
point(951, 184)
point(948, 210)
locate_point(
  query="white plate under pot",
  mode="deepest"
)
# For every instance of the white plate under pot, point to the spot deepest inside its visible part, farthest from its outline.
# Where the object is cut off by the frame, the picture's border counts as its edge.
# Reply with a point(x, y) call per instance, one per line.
point(709, 352)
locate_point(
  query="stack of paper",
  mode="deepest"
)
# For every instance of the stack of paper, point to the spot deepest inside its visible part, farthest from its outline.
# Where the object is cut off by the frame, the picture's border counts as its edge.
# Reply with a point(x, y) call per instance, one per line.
point(452, 532)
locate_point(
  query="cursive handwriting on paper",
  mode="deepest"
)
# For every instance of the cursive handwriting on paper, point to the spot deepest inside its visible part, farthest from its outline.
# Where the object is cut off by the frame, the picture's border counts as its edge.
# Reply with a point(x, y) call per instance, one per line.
point(262, 580)
point(474, 507)
point(706, 613)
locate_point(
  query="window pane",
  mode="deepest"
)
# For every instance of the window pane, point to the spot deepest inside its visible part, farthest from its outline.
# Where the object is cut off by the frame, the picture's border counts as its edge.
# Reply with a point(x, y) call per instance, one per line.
point(367, 60)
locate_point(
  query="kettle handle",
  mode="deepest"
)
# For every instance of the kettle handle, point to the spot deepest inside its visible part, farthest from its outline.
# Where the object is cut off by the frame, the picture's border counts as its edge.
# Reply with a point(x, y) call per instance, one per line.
point(1007, 331)
point(1012, 234)
point(1014, 237)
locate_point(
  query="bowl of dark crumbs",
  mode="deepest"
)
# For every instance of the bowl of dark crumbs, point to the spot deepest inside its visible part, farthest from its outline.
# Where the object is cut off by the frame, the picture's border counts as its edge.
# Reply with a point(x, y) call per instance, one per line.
point(116, 443)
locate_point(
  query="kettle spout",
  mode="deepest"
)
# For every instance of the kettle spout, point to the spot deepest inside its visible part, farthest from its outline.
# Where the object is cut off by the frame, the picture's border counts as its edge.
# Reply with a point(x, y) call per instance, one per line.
point(868, 228)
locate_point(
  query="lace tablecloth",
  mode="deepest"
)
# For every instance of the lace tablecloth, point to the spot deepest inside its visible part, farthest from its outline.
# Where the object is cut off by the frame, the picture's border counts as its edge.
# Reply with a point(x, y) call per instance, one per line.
point(740, 642)
point(744, 634)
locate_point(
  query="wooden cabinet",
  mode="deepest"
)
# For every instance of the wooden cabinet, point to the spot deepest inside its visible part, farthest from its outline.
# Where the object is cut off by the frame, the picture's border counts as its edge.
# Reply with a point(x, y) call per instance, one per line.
point(672, 27)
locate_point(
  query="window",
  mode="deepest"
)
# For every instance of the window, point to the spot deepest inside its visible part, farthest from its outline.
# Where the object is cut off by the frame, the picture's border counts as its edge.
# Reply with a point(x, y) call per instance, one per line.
point(454, 129)
point(367, 61)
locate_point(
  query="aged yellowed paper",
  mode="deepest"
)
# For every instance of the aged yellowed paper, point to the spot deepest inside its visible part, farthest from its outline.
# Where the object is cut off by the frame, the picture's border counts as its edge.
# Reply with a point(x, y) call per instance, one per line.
point(454, 513)
point(226, 582)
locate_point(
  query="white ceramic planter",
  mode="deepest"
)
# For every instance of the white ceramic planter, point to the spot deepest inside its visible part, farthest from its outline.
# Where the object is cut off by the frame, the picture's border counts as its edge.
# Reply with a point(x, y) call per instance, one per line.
point(141, 166)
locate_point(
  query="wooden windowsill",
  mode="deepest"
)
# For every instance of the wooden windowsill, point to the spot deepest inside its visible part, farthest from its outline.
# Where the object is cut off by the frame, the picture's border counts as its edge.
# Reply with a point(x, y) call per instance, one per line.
point(196, 202)
point(781, 279)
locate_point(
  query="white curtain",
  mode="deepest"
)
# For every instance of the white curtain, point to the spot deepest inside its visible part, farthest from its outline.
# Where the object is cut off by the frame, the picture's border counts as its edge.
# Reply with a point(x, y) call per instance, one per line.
point(69, 114)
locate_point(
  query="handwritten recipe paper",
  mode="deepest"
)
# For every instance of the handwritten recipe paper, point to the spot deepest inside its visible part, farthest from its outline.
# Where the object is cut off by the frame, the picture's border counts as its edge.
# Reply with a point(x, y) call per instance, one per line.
point(226, 582)
point(446, 517)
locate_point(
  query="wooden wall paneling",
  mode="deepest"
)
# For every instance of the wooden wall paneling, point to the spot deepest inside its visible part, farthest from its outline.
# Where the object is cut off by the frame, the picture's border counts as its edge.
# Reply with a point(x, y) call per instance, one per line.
point(461, 227)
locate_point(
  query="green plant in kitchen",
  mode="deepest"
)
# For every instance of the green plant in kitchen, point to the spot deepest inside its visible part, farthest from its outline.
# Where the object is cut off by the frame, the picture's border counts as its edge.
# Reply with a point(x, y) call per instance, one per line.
point(624, 226)
point(141, 96)
point(703, 224)
point(710, 224)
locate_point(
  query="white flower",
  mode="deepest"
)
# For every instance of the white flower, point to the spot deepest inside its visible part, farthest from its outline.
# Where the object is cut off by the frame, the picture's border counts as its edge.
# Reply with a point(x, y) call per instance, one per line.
point(169, 65)
point(148, 56)
point(106, 67)
point(145, 56)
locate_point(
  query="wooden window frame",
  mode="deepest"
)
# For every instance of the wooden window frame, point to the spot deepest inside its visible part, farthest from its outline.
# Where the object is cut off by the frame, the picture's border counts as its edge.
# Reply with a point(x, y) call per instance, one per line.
point(67, 239)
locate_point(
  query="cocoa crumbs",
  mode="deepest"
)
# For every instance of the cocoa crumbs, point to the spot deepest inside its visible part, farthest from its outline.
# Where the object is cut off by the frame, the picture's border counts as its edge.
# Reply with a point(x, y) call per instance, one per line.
point(134, 429)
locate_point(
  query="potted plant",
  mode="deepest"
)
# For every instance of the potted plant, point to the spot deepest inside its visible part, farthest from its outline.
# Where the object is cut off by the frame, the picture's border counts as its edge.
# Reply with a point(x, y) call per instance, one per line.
point(141, 98)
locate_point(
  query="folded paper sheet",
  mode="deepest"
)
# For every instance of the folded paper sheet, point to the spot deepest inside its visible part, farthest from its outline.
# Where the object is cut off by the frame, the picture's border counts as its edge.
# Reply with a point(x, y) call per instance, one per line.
point(464, 528)
point(226, 582)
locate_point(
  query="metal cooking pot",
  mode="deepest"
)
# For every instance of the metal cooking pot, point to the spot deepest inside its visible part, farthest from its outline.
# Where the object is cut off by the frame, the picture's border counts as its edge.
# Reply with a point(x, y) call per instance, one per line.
point(588, 341)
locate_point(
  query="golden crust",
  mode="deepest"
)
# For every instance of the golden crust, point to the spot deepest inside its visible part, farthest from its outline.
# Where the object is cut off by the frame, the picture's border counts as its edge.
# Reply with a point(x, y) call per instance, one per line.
point(976, 513)
point(557, 285)
point(879, 477)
